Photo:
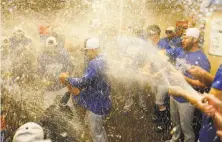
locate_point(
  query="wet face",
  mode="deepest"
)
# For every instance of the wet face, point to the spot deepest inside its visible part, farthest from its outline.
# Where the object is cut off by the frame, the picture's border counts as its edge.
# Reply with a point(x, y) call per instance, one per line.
point(90, 53)
point(187, 43)
point(170, 34)
point(154, 38)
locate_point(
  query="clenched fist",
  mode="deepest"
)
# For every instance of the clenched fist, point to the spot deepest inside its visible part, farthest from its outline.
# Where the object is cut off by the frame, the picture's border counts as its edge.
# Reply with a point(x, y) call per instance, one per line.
point(73, 90)
point(63, 77)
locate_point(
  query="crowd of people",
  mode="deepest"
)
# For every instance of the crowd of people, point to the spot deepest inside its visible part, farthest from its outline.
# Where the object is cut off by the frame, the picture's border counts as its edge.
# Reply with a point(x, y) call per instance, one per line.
point(174, 106)
point(183, 104)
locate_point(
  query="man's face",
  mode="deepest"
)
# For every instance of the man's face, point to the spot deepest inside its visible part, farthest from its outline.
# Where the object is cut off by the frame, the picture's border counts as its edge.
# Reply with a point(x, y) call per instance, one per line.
point(90, 53)
point(187, 43)
point(170, 34)
point(154, 38)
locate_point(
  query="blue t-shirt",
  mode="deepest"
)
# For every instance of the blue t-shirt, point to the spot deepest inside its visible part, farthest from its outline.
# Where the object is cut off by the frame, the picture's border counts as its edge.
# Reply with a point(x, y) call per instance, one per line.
point(208, 130)
point(173, 47)
point(174, 53)
point(165, 43)
point(177, 41)
point(185, 60)
point(217, 83)
point(95, 88)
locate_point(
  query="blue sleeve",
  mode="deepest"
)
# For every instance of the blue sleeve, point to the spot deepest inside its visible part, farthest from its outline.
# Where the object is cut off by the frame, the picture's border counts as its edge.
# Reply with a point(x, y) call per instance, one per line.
point(170, 51)
point(86, 80)
point(163, 44)
point(217, 83)
point(178, 51)
point(174, 53)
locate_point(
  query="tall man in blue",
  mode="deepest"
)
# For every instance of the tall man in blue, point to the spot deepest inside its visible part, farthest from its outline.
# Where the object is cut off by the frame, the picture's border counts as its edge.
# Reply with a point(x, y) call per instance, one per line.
point(182, 112)
point(92, 91)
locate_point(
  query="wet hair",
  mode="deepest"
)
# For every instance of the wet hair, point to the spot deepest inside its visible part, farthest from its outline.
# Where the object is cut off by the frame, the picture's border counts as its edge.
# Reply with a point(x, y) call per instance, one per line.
point(153, 29)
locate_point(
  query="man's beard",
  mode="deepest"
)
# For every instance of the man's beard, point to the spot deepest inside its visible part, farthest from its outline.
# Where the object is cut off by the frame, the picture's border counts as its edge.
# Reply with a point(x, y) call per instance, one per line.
point(189, 46)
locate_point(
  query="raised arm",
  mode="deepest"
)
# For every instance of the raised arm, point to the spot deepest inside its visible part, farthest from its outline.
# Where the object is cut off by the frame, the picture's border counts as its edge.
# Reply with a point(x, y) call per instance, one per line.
point(202, 75)
point(194, 82)
point(194, 98)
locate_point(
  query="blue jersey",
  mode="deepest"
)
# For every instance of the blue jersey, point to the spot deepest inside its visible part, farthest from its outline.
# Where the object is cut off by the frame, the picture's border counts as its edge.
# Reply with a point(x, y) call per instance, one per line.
point(174, 53)
point(177, 41)
point(173, 48)
point(208, 130)
point(217, 83)
point(165, 43)
point(196, 58)
point(95, 88)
